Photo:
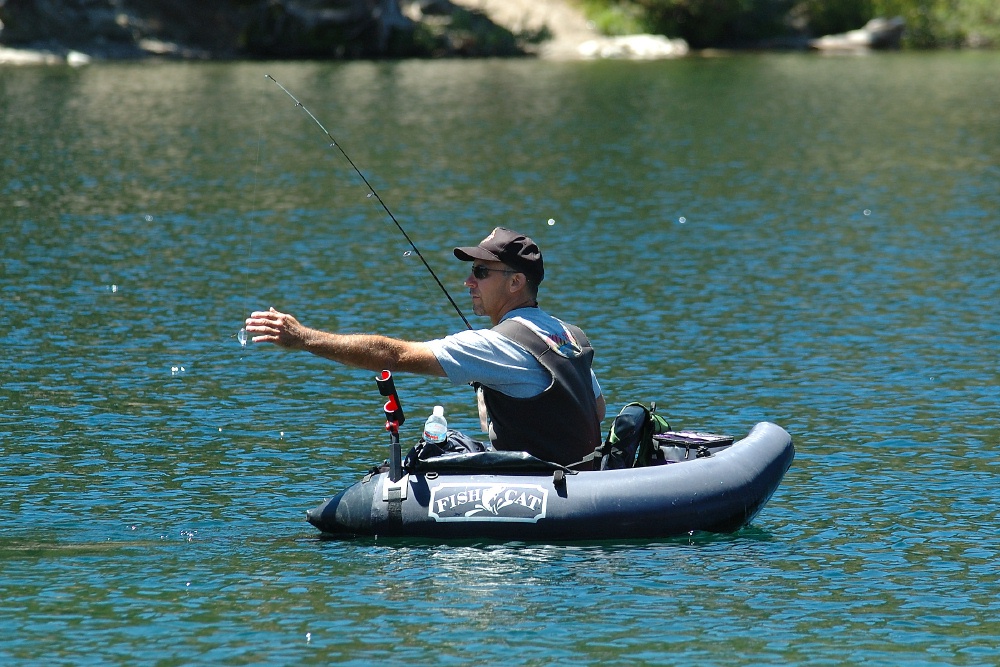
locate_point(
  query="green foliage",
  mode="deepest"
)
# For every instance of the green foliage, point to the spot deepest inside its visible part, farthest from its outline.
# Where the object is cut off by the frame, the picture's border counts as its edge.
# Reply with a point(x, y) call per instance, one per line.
point(617, 18)
point(721, 22)
point(708, 23)
point(946, 23)
point(823, 17)
point(978, 22)
point(702, 23)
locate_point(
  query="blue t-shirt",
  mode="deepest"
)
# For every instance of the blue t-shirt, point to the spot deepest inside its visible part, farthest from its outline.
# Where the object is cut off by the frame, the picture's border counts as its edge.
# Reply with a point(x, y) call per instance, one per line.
point(493, 360)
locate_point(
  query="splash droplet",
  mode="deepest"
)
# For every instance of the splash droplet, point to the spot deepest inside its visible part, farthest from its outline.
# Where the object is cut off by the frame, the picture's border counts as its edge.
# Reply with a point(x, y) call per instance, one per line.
point(407, 253)
point(148, 218)
point(682, 219)
point(369, 195)
point(867, 211)
point(552, 221)
point(242, 337)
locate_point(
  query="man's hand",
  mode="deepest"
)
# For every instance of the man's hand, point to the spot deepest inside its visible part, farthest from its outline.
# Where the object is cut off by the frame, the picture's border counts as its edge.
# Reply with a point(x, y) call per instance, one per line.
point(282, 329)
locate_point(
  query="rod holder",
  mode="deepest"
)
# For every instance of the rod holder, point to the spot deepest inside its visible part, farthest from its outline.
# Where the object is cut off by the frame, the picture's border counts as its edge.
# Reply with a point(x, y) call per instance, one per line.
point(393, 408)
point(394, 418)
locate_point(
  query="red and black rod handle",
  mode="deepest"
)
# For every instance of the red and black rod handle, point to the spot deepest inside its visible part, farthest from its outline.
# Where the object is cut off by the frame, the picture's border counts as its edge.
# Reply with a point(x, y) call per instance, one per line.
point(394, 418)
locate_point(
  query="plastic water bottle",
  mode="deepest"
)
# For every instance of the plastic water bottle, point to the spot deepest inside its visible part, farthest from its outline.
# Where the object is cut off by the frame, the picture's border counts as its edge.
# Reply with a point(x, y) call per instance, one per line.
point(436, 427)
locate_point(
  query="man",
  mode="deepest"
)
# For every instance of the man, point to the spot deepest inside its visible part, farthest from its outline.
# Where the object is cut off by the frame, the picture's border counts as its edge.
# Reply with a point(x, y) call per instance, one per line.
point(532, 371)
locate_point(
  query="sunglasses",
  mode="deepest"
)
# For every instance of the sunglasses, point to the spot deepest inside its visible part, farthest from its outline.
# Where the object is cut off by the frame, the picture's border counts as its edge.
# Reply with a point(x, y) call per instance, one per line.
point(482, 272)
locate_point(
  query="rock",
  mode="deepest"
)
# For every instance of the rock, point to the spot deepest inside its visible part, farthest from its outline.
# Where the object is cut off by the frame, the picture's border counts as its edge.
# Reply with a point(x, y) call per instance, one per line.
point(29, 57)
point(83, 30)
point(879, 33)
point(70, 22)
point(303, 28)
point(568, 34)
point(77, 59)
point(555, 28)
point(634, 47)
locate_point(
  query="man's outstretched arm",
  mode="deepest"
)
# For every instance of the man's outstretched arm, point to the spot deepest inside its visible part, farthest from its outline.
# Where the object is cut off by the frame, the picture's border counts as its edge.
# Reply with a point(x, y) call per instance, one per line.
point(369, 351)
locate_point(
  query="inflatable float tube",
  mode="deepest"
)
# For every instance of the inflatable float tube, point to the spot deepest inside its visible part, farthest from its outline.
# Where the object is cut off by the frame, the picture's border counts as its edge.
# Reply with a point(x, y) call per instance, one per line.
point(709, 484)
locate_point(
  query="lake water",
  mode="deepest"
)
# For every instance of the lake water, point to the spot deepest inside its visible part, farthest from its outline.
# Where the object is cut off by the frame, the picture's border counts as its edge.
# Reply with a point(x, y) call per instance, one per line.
point(806, 240)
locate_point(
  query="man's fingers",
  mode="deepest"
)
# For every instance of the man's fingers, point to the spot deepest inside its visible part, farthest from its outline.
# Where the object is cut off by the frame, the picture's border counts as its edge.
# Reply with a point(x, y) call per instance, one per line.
point(271, 326)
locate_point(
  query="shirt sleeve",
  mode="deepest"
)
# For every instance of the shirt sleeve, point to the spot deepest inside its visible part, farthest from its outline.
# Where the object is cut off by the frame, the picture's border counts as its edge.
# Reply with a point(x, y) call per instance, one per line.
point(495, 361)
point(492, 360)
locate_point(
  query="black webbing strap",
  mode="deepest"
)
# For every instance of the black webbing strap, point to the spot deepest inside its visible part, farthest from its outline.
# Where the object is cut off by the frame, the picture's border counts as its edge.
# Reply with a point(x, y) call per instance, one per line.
point(395, 505)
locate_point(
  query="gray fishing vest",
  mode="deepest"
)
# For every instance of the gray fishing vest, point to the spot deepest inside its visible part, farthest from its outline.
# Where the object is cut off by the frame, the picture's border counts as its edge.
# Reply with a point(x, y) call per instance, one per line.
point(560, 424)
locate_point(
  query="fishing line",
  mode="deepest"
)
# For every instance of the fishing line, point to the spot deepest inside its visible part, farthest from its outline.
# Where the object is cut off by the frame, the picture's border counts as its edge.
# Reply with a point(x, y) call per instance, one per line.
point(241, 335)
point(335, 144)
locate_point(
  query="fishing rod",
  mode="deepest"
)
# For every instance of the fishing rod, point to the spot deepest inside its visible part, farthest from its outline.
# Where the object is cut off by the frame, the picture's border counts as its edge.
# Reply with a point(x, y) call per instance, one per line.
point(335, 143)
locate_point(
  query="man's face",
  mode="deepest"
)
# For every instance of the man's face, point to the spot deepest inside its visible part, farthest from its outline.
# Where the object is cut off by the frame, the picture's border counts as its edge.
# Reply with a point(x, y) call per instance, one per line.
point(490, 291)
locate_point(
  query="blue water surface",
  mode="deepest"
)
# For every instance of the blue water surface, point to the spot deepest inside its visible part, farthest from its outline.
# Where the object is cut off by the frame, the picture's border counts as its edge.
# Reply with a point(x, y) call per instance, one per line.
point(810, 241)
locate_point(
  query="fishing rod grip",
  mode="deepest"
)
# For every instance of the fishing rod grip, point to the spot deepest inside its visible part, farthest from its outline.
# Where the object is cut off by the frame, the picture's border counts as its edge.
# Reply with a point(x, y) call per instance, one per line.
point(393, 408)
point(393, 419)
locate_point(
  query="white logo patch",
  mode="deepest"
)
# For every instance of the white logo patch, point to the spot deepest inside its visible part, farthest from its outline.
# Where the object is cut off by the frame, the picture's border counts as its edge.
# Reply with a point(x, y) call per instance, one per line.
point(471, 501)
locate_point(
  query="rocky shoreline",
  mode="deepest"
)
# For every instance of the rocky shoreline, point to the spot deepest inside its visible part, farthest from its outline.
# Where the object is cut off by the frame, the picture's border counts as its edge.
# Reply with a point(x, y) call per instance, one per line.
point(81, 31)
point(78, 32)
